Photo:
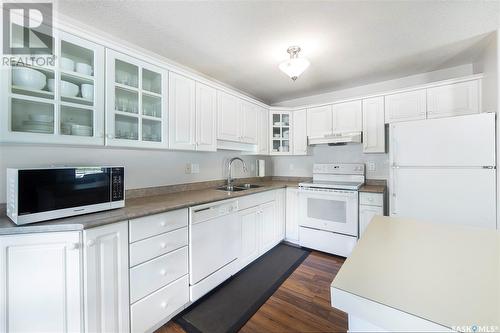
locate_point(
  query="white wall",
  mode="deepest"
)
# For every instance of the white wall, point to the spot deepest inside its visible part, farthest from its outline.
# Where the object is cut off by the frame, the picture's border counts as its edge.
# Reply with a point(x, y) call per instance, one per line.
point(381, 87)
point(143, 168)
point(301, 166)
point(487, 63)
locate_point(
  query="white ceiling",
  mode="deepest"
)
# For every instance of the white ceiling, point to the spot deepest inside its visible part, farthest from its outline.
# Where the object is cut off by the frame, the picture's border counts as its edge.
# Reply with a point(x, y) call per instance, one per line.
point(349, 43)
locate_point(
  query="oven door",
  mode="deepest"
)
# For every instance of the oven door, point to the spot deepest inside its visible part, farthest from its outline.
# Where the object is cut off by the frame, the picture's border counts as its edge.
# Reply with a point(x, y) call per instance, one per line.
point(330, 210)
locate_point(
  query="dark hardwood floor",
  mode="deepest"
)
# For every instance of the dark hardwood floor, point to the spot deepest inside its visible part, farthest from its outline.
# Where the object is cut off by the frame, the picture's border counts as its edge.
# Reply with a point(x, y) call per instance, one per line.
point(301, 304)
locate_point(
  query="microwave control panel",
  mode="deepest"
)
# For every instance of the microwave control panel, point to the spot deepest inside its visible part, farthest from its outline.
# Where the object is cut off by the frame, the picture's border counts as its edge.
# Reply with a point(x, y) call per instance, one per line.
point(117, 184)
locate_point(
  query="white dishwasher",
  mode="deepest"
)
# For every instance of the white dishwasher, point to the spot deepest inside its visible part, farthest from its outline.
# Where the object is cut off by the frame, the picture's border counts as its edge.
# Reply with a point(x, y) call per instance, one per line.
point(214, 245)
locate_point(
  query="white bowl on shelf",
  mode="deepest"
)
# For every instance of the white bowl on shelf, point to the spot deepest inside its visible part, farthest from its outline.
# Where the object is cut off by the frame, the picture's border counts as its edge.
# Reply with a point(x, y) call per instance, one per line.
point(28, 78)
point(81, 130)
point(50, 84)
point(83, 68)
point(67, 64)
point(88, 91)
point(42, 118)
point(69, 89)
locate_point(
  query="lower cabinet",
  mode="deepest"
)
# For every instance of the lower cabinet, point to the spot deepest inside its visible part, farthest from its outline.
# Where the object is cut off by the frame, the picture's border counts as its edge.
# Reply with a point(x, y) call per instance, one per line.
point(40, 276)
point(370, 205)
point(106, 284)
point(292, 215)
point(262, 227)
point(159, 283)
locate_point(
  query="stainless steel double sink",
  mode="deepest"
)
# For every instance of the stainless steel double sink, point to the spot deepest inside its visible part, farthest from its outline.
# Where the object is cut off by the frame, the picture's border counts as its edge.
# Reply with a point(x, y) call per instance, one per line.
point(236, 188)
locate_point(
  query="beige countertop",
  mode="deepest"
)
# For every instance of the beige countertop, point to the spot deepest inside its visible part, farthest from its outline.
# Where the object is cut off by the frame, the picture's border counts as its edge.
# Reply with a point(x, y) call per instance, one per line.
point(449, 275)
point(138, 207)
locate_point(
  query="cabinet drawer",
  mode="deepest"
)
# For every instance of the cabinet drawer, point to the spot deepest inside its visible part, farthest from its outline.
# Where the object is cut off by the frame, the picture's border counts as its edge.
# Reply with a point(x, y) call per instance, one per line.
point(256, 199)
point(154, 274)
point(371, 199)
point(152, 247)
point(153, 225)
point(153, 309)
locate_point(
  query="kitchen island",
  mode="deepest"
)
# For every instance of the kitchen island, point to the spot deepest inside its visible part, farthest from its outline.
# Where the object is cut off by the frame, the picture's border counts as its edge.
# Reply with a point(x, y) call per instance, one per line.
point(407, 275)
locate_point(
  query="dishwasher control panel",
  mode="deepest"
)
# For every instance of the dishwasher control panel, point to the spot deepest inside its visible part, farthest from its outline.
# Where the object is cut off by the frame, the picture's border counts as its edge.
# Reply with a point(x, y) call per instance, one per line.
point(209, 211)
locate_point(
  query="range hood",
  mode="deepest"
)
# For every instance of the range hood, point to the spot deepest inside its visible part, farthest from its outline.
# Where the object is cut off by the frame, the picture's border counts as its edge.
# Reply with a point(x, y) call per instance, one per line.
point(336, 138)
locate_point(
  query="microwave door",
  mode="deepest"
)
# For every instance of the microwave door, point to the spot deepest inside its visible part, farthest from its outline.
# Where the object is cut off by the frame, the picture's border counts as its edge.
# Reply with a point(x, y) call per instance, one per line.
point(330, 211)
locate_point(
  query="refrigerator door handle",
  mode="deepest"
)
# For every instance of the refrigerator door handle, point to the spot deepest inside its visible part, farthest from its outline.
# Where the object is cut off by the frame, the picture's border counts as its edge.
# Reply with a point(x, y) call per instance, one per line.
point(393, 193)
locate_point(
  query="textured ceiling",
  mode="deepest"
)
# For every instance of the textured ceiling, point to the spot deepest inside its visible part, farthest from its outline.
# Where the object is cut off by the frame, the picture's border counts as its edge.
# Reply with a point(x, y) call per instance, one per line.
point(349, 43)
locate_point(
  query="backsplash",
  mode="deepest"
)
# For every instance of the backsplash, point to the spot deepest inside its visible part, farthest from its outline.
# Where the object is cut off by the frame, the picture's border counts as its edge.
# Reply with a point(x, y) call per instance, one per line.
point(143, 168)
point(301, 166)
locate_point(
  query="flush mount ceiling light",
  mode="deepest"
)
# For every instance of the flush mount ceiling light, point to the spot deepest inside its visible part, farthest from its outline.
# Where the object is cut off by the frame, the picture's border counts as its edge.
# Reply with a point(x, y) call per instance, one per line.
point(294, 66)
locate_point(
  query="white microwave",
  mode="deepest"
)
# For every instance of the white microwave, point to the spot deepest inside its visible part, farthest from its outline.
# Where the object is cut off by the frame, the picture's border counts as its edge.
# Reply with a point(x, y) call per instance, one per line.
point(35, 195)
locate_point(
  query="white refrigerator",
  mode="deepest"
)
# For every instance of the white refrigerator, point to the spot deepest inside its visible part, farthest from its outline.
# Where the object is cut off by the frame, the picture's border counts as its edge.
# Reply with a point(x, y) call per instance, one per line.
point(444, 170)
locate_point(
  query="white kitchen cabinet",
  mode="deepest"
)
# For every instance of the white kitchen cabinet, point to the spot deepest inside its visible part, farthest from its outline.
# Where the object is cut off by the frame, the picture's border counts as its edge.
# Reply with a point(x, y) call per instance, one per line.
point(270, 225)
point(453, 99)
point(181, 112)
point(292, 215)
point(347, 117)
point(370, 205)
point(136, 102)
point(106, 278)
point(405, 106)
point(281, 132)
point(299, 131)
point(249, 119)
point(228, 117)
point(373, 125)
point(319, 121)
point(263, 132)
point(250, 235)
point(206, 118)
point(40, 279)
point(68, 107)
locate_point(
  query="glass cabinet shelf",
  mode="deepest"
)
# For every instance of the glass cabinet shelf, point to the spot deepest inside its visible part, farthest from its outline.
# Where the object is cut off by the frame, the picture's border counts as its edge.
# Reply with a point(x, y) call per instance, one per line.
point(136, 102)
point(63, 103)
point(280, 133)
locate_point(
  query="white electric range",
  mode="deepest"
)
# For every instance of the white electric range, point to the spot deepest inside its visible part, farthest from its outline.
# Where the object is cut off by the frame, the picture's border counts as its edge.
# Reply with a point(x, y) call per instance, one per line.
point(328, 208)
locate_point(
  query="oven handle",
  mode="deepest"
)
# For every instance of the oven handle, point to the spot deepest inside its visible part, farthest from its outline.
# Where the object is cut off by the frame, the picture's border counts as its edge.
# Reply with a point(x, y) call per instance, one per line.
point(327, 192)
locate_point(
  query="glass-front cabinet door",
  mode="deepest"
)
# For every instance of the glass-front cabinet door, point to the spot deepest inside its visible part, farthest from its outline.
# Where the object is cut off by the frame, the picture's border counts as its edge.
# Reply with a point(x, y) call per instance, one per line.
point(281, 135)
point(58, 102)
point(136, 112)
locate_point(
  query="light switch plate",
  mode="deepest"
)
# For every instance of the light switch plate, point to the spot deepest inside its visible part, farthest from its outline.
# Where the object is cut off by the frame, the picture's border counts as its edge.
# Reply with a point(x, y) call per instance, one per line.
point(195, 168)
point(371, 166)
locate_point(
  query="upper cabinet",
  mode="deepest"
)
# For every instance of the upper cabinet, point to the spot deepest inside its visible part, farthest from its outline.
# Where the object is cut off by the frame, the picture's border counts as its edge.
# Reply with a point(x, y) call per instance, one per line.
point(228, 120)
point(453, 99)
point(281, 132)
point(319, 121)
point(405, 106)
point(61, 103)
point(249, 118)
point(236, 119)
point(347, 117)
point(192, 114)
point(136, 104)
point(373, 125)
point(206, 118)
point(181, 115)
point(263, 132)
point(299, 131)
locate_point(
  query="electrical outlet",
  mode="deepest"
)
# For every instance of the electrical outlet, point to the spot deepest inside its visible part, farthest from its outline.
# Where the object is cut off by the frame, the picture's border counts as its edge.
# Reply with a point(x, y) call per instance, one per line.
point(371, 166)
point(195, 168)
point(188, 169)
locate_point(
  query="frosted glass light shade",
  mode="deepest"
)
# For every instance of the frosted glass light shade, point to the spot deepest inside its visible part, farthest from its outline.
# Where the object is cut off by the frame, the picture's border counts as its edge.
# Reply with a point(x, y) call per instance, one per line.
point(294, 67)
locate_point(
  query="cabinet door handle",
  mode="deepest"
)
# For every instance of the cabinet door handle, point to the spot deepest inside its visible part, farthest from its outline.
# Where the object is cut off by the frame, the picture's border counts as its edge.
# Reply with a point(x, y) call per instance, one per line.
point(163, 272)
point(72, 246)
point(164, 304)
point(163, 223)
point(90, 242)
point(163, 245)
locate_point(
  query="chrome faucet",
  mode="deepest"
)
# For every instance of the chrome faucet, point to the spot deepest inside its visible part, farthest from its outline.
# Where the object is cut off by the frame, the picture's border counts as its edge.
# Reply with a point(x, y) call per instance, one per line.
point(229, 171)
